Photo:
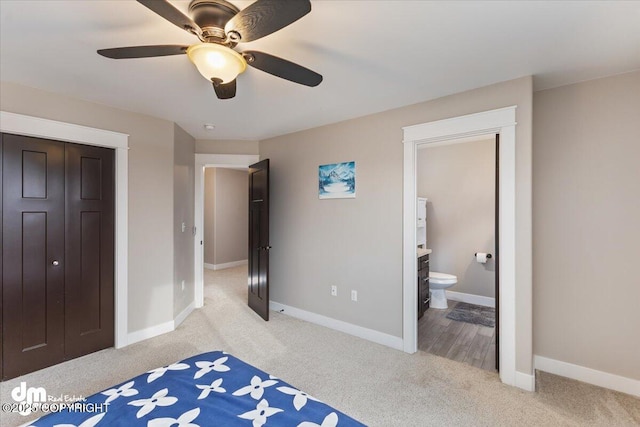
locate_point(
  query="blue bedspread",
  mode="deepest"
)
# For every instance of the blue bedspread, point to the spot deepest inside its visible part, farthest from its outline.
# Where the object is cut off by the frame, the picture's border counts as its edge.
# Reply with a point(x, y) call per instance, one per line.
point(211, 389)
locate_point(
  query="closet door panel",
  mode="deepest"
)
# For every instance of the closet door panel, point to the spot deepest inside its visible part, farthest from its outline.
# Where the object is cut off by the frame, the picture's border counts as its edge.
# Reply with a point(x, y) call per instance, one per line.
point(33, 254)
point(89, 286)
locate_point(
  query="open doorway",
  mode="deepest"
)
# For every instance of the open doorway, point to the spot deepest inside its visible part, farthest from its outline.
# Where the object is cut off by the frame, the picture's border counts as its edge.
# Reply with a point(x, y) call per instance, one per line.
point(456, 183)
point(226, 197)
point(225, 230)
point(501, 122)
point(203, 162)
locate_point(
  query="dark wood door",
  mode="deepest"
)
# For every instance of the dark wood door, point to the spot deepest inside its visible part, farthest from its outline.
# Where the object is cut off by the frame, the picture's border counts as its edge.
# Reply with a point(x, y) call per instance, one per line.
point(33, 254)
point(1, 252)
point(89, 244)
point(57, 252)
point(497, 251)
point(259, 238)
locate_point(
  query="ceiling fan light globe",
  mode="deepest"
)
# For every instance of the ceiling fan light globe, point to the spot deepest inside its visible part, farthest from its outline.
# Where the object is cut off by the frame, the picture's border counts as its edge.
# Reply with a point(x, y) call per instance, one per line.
point(215, 61)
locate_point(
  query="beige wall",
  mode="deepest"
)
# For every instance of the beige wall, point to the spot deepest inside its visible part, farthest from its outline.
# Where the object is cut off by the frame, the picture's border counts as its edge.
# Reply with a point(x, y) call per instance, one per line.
point(206, 146)
point(151, 143)
point(357, 243)
point(225, 215)
point(586, 224)
point(183, 208)
point(586, 207)
point(209, 215)
point(459, 181)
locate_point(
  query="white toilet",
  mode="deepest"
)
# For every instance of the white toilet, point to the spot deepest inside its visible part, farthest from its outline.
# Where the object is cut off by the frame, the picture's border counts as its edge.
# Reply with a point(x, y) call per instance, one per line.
point(438, 282)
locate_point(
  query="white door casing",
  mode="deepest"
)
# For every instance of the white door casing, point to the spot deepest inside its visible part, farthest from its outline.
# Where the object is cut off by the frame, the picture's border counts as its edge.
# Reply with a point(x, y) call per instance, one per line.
point(502, 122)
point(203, 161)
point(20, 124)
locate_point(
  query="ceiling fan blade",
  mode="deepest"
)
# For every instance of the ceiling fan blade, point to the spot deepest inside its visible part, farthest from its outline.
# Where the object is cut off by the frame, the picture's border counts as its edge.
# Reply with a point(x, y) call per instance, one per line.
point(282, 68)
point(265, 17)
point(224, 91)
point(172, 14)
point(143, 51)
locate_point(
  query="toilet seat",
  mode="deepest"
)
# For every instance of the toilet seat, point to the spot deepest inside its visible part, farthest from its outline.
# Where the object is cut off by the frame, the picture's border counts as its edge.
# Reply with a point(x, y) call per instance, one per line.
point(442, 278)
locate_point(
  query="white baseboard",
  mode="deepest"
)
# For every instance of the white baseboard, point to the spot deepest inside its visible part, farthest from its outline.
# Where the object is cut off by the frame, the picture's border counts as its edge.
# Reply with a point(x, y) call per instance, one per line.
point(339, 325)
point(151, 332)
point(160, 329)
point(183, 314)
point(471, 299)
point(225, 265)
point(588, 375)
point(525, 381)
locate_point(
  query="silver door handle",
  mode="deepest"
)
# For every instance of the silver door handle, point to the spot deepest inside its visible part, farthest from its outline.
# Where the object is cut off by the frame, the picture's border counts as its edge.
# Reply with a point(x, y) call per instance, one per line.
point(55, 263)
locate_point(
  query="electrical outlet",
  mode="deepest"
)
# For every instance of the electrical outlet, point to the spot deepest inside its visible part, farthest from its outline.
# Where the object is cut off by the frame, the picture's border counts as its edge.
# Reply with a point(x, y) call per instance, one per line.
point(354, 295)
point(184, 227)
point(183, 285)
point(334, 291)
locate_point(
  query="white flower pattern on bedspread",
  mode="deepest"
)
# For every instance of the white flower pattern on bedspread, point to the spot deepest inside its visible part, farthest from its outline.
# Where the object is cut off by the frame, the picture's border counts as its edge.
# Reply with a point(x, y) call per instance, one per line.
point(158, 372)
point(159, 398)
point(211, 389)
point(183, 420)
point(256, 388)
point(206, 389)
point(91, 422)
point(260, 414)
point(123, 390)
point(299, 397)
point(206, 367)
point(330, 420)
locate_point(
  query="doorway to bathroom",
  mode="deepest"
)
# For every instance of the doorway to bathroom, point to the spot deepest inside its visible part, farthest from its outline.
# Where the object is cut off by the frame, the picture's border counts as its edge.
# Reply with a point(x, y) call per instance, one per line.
point(513, 312)
point(457, 235)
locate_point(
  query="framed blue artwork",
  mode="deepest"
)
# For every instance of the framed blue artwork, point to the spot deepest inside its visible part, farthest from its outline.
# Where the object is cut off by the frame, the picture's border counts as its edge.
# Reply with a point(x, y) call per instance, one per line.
point(337, 181)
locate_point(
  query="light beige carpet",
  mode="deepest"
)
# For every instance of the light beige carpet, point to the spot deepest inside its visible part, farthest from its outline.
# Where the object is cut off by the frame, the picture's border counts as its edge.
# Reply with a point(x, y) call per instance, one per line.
point(375, 384)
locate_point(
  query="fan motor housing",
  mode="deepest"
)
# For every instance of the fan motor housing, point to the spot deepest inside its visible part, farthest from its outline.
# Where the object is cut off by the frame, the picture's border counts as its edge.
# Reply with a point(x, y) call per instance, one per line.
point(212, 15)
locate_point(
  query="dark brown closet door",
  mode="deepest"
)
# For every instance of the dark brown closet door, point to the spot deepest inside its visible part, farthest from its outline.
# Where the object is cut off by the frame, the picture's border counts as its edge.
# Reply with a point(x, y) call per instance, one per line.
point(33, 254)
point(89, 305)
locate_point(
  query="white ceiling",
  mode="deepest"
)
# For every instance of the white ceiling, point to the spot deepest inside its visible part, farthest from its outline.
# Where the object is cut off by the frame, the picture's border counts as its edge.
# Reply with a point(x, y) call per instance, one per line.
point(374, 56)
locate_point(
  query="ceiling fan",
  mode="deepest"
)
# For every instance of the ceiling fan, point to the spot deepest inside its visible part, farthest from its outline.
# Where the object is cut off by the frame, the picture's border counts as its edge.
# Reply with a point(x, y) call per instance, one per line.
point(220, 26)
